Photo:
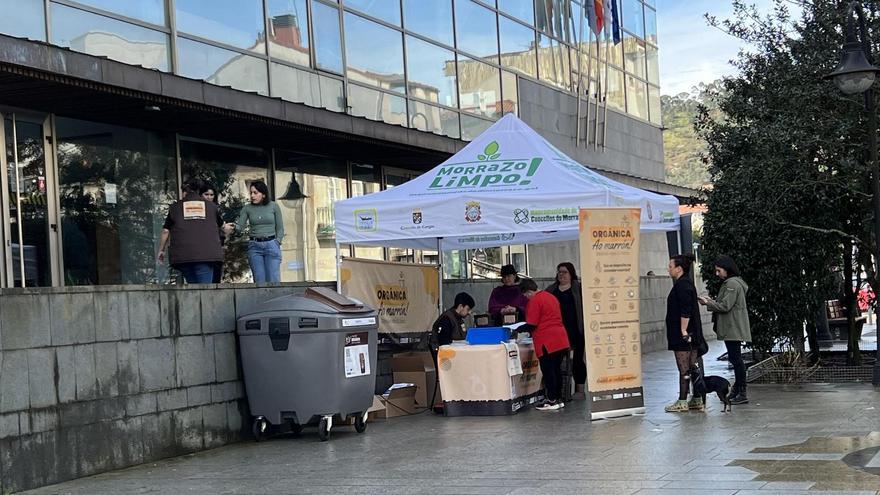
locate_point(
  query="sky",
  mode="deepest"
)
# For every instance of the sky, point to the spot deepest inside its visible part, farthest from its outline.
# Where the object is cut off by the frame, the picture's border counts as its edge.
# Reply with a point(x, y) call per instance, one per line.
point(691, 51)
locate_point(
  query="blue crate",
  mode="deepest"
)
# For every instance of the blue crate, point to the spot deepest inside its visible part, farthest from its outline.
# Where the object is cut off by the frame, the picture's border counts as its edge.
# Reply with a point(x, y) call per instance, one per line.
point(488, 335)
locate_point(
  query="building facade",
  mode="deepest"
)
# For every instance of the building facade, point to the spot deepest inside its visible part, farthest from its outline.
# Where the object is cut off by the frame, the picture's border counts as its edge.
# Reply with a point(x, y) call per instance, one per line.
point(107, 106)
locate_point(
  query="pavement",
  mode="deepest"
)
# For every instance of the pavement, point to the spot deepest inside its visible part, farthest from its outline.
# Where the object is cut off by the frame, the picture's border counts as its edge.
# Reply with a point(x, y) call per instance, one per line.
point(790, 440)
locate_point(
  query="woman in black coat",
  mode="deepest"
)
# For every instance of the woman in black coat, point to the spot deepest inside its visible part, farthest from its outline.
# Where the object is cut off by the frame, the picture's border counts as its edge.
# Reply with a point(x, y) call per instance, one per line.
point(684, 332)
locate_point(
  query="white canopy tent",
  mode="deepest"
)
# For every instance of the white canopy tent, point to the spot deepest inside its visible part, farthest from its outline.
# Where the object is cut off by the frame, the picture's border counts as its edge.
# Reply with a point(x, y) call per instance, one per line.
point(508, 186)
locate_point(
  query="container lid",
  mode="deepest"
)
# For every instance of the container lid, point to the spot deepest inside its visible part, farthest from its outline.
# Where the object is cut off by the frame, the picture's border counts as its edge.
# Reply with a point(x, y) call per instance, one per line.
point(315, 300)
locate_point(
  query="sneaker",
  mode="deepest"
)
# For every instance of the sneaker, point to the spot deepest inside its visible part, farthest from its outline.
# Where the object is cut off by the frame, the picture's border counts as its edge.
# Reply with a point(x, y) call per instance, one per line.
point(739, 399)
point(677, 406)
point(696, 404)
point(550, 406)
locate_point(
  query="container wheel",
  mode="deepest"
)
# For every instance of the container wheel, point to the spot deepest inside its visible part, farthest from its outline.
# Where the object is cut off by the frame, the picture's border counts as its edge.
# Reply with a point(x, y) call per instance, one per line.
point(260, 428)
point(324, 429)
point(360, 423)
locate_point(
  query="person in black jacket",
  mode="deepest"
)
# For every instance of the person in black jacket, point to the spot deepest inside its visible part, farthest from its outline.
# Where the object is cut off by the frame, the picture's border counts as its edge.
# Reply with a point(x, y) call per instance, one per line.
point(684, 331)
point(450, 325)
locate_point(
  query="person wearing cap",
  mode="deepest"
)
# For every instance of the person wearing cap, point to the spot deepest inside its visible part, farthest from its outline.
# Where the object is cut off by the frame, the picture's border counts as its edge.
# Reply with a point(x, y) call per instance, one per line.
point(507, 298)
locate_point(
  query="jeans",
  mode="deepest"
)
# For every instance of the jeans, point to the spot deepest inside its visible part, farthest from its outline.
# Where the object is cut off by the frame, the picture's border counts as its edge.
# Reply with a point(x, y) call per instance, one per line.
point(265, 260)
point(735, 357)
point(197, 273)
point(551, 368)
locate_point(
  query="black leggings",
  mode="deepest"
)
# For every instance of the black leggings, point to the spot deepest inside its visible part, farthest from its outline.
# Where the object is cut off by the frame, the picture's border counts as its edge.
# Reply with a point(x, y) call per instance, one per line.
point(685, 360)
point(735, 357)
point(578, 366)
point(551, 368)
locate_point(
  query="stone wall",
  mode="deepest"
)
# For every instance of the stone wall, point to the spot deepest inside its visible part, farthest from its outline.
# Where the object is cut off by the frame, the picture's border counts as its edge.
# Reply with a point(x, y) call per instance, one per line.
point(100, 378)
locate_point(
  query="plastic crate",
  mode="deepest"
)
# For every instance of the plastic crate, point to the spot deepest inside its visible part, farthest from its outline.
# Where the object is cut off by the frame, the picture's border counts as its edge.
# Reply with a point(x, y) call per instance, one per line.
point(488, 335)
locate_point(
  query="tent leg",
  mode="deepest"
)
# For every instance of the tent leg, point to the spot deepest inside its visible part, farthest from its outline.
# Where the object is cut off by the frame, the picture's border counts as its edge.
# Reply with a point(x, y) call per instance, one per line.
point(338, 270)
point(439, 276)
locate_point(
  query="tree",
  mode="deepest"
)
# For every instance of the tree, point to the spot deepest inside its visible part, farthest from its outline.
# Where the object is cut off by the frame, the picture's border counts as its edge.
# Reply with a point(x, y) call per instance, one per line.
point(790, 198)
point(682, 148)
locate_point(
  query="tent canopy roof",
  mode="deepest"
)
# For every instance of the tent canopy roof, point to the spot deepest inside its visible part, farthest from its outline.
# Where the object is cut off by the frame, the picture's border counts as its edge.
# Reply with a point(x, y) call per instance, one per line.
point(508, 186)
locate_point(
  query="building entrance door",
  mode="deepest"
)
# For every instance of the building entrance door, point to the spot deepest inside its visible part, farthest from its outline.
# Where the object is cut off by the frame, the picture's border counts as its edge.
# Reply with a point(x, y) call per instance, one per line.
point(28, 195)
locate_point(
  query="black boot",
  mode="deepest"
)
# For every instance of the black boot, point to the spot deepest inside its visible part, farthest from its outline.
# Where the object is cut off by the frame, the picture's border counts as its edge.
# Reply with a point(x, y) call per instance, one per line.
point(740, 397)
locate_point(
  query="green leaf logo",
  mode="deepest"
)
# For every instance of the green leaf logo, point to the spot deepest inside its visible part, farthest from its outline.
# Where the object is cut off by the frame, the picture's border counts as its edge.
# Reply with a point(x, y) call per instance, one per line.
point(491, 149)
point(481, 157)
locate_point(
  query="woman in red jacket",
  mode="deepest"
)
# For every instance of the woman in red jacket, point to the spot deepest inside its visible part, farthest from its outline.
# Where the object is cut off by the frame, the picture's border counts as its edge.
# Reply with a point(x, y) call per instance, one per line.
point(544, 321)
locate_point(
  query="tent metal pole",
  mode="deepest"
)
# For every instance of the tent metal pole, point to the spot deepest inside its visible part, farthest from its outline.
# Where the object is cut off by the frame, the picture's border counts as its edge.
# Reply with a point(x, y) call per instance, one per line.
point(338, 270)
point(439, 276)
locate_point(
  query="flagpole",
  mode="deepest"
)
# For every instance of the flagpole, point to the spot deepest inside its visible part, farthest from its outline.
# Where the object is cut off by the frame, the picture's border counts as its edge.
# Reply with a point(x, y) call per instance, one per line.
point(580, 82)
point(605, 98)
point(598, 94)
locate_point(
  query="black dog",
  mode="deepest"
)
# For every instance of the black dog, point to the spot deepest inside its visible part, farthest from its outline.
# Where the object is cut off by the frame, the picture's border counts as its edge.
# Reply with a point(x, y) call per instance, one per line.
point(704, 385)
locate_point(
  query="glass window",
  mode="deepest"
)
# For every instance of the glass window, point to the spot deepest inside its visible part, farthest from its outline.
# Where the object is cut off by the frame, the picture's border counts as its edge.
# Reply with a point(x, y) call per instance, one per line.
point(636, 97)
point(374, 53)
point(230, 169)
point(23, 19)
point(521, 9)
point(476, 30)
point(651, 26)
point(289, 31)
point(431, 72)
point(472, 127)
point(221, 67)
point(235, 22)
point(479, 88)
point(554, 17)
point(332, 94)
point(649, 2)
point(654, 104)
point(146, 10)
point(387, 10)
point(634, 55)
point(615, 95)
point(305, 189)
point(295, 85)
point(554, 64)
point(432, 19)
point(115, 185)
point(633, 20)
point(328, 42)
point(614, 52)
point(653, 65)
point(366, 179)
point(377, 105)
point(98, 35)
point(434, 119)
point(518, 50)
point(510, 92)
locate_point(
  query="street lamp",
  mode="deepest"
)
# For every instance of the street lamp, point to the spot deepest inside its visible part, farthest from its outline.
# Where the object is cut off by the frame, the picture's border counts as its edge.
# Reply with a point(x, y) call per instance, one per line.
point(856, 74)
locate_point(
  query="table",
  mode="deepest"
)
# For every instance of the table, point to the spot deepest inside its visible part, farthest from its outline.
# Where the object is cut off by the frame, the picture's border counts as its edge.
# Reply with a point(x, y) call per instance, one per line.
point(474, 379)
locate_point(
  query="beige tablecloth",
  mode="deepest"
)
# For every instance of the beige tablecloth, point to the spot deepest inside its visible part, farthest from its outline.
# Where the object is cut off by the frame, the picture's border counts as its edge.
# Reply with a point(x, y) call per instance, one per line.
point(479, 373)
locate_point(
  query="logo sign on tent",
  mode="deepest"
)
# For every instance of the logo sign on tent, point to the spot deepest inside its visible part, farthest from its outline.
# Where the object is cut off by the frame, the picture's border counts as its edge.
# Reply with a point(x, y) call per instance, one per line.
point(609, 249)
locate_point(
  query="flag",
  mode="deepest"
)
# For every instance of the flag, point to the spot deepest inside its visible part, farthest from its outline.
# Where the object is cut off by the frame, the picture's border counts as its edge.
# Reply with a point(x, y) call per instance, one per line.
point(615, 21)
point(592, 18)
point(600, 15)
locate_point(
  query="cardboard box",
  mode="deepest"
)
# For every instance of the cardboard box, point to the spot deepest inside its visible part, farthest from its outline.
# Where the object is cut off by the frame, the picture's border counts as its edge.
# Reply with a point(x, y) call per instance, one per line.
point(417, 368)
point(399, 402)
point(376, 411)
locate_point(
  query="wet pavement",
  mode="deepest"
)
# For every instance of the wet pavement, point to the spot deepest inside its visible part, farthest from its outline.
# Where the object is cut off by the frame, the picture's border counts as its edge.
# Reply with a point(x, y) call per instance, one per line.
point(789, 440)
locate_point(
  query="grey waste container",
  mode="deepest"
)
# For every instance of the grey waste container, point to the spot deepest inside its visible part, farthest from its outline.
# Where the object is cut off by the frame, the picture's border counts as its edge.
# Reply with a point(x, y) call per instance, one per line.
point(308, 359)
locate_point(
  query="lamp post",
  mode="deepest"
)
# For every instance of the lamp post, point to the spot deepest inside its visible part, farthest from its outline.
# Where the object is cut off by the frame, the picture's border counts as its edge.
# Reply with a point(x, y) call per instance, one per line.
point(854, 75)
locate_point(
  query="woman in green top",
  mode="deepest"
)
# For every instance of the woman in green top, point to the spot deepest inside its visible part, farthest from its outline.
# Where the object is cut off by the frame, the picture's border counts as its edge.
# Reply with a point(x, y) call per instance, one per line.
point(266, 233)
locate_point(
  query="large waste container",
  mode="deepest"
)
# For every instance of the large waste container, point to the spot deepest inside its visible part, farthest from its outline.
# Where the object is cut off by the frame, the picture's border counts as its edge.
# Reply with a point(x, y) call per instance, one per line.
point(308, 359)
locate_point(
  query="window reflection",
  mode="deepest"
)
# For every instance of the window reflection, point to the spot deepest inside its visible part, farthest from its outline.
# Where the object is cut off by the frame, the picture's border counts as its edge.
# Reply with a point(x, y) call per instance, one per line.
point(366, 179)
point(328, 42)
point(472, 127)
point(115, 185)
point(654, 104)
point(23, 19)
point(476, 30)
point(432, 19)
point(146, 10)
point(634, 54)
point(387, 10)
point(480, 88)
point(518, 50)
point(305, 189)
point(616, 95)
point(653, 65)
point(633, 19)
point(509, 90)
point(651, 26)
point(374, 53)
point(636, 97)
point(230, 169)
point(377, 105)
point(98, 35)
point(306, 87)
point(434, 119)
point(289, 31)
point(554, 64)
point(521, 9)
point(554, 17)
point(431, 72)
point(221, 67)
point(235, 22)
